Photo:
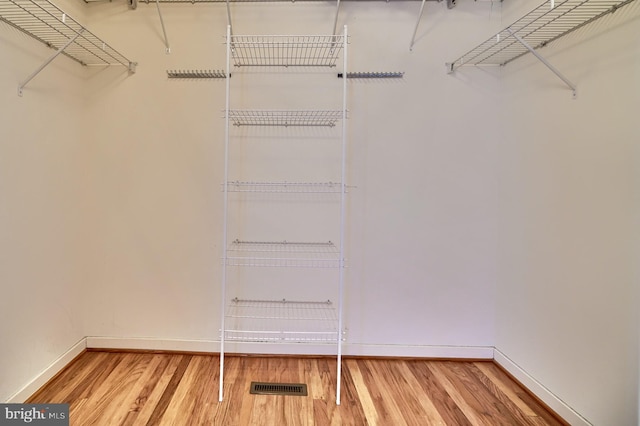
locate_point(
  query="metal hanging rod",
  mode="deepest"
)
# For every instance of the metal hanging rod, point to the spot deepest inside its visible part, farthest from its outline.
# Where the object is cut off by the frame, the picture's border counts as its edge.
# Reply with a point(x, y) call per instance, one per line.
point(545, 24)
point(372, 75)
point(196, 74)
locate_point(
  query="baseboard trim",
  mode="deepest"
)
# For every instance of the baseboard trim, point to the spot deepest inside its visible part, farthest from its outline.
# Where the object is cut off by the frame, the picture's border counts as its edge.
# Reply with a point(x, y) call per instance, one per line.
point(562, 409)
point(152, 344)
point(49, 373)
point(209, 346)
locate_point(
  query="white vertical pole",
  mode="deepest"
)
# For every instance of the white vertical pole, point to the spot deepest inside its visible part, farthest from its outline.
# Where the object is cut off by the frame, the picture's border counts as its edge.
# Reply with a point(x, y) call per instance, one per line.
point(223, 293)
point(229, 18)
point(342, 214)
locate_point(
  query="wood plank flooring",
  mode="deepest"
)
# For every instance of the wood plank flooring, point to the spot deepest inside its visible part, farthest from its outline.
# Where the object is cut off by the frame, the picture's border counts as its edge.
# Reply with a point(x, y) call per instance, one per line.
point(135, 388)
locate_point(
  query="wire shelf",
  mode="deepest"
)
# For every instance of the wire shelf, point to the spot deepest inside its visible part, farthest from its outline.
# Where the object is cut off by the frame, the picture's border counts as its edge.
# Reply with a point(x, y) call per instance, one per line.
point(286, 50)
point(283, 254)
point(538, 28)
point(321, 118)
point(286, 187)
point(48, 24)
point(281, 321)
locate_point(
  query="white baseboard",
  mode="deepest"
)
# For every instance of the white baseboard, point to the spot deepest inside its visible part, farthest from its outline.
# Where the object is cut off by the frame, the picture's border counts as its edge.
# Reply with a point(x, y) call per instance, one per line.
point(539, 390)
point(48, 373)
point(152, 344)
point(454, 352)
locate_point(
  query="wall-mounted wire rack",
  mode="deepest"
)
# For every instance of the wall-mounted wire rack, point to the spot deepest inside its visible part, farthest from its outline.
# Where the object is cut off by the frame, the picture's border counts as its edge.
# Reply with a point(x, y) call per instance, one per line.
point(283, 254)
point(286, 187)
point(281, 321)
point(284, 118)
point(286, 51)
point(276, 320)
point(545, 24)
point(51, 26)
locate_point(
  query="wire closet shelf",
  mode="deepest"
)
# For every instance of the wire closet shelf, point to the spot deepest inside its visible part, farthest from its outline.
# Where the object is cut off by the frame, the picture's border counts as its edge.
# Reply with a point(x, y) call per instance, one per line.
point(283, 254)
point(286, 187)
point(48, 24)
point(285, 51)
point(281, 321)
point(304, 118)
point(545, 24)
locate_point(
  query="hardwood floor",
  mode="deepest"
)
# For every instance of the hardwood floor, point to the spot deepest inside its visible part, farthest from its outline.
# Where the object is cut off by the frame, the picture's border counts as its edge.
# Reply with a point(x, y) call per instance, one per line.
point(134, 388)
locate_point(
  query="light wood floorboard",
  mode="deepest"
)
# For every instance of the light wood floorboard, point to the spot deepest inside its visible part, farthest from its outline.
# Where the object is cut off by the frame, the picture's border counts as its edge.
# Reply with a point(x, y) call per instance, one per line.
point(136, 388)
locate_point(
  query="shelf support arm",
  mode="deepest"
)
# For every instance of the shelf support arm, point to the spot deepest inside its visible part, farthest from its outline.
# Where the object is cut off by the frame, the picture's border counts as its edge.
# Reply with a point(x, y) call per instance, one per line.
point(415, 31)
point(164, 31)
point(48, 61)
point(544, 61)
point(229, 18)
point(335, 21)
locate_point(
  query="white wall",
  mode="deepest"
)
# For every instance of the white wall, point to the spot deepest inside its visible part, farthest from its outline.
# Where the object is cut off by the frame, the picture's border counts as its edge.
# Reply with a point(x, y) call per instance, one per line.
point(421, 222)
point(567, 279)
point(489, 211)
point(42, 211)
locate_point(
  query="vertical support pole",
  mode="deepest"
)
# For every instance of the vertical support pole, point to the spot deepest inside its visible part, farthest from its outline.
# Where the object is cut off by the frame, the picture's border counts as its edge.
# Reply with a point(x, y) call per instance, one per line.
point(48, 61)
point(223, 286)
point(229, 18)
point(415, 31)
point(544, 61)
point(164, 31)
point(343, 216)
point(335, 21)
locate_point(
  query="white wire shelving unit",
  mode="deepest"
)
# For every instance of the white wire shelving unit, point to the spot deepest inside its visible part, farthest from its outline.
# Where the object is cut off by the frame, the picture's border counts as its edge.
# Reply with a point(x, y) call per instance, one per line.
point(543, 25)
point(50, 25)
point(283, 320)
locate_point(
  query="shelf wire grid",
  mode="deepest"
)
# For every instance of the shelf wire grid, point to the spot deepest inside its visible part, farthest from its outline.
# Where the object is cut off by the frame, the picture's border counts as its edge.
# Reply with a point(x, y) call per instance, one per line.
point(286, 187)
point(281, 321)
point(317, 118)
point(283, 254)
point(286, 50)
point(538, 28)
point(48, 24)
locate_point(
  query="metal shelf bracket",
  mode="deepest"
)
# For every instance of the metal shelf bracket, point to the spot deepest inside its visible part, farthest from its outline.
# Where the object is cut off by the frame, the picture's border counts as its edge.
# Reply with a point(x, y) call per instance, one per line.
point(544, 61)
point(48, 61)
point(164, 31)
point(415, 30)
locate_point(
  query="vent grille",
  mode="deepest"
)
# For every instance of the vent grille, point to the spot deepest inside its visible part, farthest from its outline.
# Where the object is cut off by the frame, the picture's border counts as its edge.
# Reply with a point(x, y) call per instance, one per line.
point(261, 388)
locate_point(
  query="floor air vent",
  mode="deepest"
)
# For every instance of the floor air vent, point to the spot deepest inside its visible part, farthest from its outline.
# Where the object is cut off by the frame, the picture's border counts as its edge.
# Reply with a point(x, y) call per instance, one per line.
point(261, 388)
